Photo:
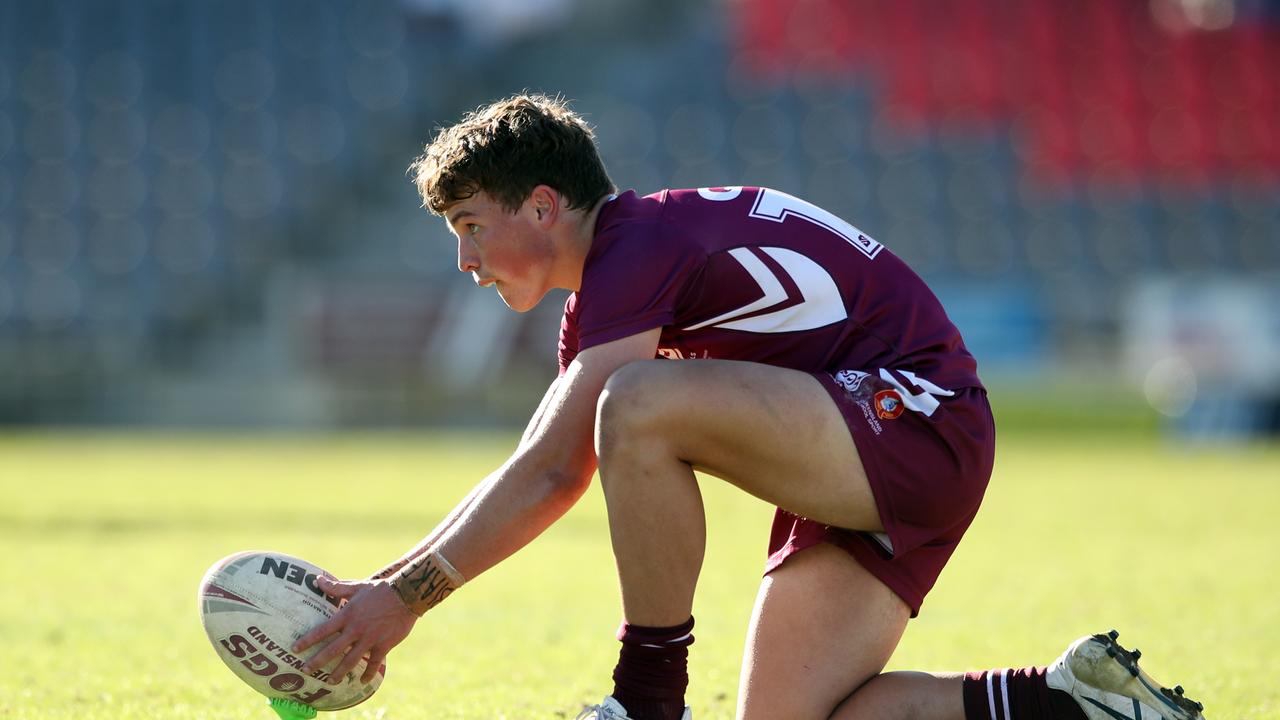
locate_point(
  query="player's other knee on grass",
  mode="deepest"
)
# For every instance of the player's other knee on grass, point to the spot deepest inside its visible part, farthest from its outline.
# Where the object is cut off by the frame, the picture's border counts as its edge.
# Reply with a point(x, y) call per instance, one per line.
point(635, 412)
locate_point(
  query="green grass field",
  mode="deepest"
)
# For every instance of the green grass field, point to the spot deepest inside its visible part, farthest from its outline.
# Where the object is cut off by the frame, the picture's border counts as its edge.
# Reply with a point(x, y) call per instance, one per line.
point(105, 538)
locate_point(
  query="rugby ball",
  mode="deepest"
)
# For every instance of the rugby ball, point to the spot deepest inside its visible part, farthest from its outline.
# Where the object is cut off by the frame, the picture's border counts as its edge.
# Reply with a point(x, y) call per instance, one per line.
point(254, 606)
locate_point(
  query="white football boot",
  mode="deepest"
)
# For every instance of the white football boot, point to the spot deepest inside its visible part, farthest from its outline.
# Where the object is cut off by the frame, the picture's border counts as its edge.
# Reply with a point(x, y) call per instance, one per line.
point(611, 709)
point(1105, 680)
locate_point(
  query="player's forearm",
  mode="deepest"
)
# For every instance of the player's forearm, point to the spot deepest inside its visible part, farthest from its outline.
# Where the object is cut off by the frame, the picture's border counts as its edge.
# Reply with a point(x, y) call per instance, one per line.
point(434, 536)
point(531, 431)
point(535, 423)
point(548, 473)
point(510, 510)
point(516, 506)
point(539, 416)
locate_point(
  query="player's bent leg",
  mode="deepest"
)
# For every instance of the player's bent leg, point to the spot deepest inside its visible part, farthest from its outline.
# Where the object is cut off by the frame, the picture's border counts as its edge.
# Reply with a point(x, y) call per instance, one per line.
point(907, 696)
point(822, 627)
point(1095, 679)
point(774, 432)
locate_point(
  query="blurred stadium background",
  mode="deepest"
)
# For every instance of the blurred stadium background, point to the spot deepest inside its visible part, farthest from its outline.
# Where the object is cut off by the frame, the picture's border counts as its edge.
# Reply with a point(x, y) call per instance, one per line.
point(205, 221)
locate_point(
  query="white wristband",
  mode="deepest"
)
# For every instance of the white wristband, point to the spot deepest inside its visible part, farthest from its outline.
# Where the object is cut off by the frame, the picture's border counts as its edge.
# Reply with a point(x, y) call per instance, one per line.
point(448, 569)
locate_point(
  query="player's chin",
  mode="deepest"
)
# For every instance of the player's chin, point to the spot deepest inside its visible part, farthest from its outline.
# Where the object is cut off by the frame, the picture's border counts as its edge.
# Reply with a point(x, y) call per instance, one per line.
point(520, 302)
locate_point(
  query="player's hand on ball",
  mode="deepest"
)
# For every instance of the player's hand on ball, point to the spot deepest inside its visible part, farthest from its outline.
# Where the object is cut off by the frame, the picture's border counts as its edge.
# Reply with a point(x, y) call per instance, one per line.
point(372, 620)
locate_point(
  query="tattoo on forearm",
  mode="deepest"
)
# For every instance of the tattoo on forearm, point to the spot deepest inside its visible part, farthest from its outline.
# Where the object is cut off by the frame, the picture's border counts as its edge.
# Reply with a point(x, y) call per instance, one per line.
point(423, 583)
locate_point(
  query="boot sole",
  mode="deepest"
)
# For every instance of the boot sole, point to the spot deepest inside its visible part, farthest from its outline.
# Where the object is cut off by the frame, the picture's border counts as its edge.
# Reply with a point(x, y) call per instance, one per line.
point(1111, 668)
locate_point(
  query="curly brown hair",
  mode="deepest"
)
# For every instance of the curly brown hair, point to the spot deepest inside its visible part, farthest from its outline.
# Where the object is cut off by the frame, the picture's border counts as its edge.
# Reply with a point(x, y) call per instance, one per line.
point(508, 148)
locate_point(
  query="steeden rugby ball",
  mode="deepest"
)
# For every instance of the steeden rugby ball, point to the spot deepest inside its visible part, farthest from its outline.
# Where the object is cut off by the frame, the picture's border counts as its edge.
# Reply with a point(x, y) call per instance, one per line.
point(254, 606)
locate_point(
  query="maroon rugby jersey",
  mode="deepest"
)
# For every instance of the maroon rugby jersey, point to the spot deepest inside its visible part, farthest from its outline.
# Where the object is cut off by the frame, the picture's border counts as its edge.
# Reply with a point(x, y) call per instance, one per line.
point(756, 274)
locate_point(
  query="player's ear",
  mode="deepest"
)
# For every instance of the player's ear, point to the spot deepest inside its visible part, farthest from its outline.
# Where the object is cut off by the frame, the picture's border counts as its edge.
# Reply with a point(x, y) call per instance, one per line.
point(545, 204)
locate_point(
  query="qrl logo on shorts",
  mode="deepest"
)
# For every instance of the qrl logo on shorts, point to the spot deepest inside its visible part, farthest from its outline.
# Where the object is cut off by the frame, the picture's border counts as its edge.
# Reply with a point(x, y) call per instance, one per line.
point(888, 404)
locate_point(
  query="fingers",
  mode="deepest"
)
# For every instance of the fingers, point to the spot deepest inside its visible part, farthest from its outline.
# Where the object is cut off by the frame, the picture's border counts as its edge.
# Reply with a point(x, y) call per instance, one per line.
point(342, 591)
point(327, 654)
point(349, 662)
point(376, 659)
point(373, 623)
point(329, 627)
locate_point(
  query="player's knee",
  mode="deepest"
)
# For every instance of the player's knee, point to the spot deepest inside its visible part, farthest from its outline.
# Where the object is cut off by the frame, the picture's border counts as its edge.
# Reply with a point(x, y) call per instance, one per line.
point(631, 406)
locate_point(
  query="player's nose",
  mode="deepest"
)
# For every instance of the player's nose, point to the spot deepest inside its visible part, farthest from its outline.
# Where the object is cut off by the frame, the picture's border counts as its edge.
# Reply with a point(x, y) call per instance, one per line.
point(468, 260)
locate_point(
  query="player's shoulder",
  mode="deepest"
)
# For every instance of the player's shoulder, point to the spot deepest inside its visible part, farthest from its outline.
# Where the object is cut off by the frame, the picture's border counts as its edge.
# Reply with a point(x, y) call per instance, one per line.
point(671, 215)
point(671, 205)
point(637, 247)
point(632, 227)
point(629, 210)
point(707, 199)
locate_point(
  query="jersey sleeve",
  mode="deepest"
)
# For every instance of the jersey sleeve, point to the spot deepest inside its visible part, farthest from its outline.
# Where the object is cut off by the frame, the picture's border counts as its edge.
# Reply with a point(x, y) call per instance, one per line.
point(635, 284)
point(568, 346)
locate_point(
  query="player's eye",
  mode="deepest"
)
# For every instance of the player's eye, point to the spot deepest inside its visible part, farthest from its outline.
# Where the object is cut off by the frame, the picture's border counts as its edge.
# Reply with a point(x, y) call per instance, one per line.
point(472, 228)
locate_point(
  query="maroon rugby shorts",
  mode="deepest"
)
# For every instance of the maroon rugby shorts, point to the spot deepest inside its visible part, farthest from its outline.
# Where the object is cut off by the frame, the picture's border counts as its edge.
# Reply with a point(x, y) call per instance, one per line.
point(928, 457)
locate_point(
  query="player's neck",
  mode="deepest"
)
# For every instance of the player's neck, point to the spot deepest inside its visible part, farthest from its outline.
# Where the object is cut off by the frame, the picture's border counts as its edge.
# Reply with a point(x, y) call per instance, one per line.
point(581, 233)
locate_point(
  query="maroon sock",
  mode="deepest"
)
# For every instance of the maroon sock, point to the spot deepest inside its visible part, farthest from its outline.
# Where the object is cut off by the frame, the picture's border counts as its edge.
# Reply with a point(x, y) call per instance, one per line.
point(653, 670)
point(1016, 694)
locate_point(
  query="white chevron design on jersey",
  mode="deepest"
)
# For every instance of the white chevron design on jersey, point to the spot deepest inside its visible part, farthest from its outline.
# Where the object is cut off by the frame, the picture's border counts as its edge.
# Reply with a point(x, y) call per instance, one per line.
point(924, 402)
point(821, 301)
